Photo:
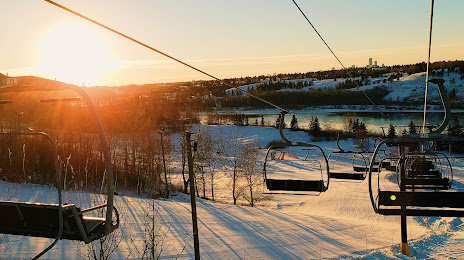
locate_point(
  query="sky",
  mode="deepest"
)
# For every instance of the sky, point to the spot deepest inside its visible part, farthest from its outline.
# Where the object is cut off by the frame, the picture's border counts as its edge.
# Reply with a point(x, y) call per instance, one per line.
point(224, 38)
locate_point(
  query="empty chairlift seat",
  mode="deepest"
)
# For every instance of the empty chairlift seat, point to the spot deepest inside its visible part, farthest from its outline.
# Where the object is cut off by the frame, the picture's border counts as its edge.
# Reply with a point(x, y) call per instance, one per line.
point(295, 185)
point(423, 175)
point(290, 173)
point(338, 161)
point(41, 220)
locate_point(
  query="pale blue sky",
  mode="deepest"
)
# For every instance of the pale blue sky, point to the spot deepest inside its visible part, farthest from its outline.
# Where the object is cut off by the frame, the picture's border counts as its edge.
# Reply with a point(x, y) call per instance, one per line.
point(231, 38)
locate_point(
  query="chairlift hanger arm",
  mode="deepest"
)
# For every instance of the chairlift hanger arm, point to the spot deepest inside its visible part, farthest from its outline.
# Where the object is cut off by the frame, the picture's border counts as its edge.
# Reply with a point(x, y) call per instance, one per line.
point(338, 142)
point(288, 142)
point(265, 161)
point(371, 165)
point(101, 134)
point(345, 151)
point(445, 102)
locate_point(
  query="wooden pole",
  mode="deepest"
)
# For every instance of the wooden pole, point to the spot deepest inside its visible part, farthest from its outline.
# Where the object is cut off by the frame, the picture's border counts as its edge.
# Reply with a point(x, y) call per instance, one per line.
point(404, 230)
point(196, 241)
point(164, 165)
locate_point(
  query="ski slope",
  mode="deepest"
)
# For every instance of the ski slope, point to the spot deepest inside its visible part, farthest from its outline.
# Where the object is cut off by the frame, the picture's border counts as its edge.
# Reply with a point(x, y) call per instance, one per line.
point(339, 223)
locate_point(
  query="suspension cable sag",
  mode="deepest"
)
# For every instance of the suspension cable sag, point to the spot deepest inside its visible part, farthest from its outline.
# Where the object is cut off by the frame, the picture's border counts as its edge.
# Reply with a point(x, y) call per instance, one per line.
point(199, 70)
point(343, 66)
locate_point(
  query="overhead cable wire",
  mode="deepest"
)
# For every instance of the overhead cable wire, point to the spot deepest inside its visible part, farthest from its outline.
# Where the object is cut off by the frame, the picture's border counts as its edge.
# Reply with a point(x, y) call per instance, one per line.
point(428, 65)
point(336, 57)
point(168, 56)
point(186, 64)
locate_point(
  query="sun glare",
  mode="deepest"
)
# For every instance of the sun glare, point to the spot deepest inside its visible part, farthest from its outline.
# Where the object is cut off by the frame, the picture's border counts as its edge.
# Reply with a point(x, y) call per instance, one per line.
point(75, 54)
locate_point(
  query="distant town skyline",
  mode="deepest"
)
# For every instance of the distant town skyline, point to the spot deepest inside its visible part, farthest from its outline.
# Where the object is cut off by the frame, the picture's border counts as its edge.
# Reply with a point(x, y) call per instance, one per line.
point(226, 39)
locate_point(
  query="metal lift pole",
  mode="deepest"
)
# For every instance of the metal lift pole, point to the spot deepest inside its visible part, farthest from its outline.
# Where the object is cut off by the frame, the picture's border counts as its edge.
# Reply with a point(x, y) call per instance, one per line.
point(404, 229)
point(196, 241)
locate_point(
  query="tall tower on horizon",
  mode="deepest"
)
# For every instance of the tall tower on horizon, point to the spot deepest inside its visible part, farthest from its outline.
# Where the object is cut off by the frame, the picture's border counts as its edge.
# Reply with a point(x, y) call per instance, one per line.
point(370, 62)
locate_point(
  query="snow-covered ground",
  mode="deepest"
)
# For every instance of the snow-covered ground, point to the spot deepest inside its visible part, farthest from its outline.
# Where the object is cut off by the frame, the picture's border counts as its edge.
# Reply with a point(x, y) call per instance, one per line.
point(408, 87)
point(339, 223)
point(412, 87)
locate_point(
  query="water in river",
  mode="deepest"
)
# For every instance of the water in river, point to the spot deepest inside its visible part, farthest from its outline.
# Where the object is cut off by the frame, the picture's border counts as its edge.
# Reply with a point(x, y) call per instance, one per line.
point(338, 118)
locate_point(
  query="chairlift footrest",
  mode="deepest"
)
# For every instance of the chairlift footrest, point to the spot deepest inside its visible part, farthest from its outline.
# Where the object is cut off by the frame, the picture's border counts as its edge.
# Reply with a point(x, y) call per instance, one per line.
point(364, 169)
point(422, 212)
point(348, 176)
point(421, 199)
point(419, 183)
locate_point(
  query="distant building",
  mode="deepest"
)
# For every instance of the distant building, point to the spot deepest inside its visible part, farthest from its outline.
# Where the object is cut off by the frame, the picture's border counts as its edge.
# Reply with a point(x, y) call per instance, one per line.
point(372, 65)
point(6, 81)
point(218, 104)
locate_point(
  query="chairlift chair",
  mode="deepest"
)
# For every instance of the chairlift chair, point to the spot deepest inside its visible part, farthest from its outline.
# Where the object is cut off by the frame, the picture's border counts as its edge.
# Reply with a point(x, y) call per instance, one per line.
point(420, 193)
point(358, 160)
point(427, 171)
point(422, 196)
point(280, 184)
point(61, 221)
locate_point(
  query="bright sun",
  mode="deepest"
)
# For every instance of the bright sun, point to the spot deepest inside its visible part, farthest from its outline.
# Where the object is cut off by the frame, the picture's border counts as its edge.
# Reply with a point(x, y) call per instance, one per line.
point(75, 54)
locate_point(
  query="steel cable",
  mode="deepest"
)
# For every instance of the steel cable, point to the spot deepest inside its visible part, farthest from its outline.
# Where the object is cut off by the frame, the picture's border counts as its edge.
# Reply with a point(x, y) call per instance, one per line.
point(194, 68)
point(343, 66)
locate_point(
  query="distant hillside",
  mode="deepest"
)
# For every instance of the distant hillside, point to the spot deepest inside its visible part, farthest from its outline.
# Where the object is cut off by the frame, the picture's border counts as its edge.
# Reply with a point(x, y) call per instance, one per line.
point(389, 85)
point(32, 83)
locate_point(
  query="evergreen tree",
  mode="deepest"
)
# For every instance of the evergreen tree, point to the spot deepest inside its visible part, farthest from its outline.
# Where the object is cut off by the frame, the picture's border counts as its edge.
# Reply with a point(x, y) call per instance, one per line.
point(262, 120)
point(240, 120)
point(412, 128)
point(404, 132)
point(294, 123)
point(256, 121)
point(277, 122)
point(455, 129)
point(391, 131)
point(314, 126)
point(361, 128)
point(355, 125)
point(452, 95)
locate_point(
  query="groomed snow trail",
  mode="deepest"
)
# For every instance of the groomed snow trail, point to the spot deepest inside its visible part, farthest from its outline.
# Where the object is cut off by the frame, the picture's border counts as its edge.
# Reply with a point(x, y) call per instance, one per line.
point(339, 223)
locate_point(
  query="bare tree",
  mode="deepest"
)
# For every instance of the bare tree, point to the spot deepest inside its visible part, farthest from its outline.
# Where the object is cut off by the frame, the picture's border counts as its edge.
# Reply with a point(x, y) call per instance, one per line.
point(203, 155)
point(217, 160)
point(155, 242)
point(251, 171)
point(234, 161)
